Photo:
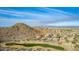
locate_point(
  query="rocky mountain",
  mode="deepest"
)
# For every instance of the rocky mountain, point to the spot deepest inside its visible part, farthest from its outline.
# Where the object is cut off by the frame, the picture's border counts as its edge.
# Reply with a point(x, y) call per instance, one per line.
point(18, 32)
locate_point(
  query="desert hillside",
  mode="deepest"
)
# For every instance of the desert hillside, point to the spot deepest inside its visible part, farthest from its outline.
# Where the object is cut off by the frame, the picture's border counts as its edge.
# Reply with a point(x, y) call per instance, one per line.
point(22, 37)
point(18, 32)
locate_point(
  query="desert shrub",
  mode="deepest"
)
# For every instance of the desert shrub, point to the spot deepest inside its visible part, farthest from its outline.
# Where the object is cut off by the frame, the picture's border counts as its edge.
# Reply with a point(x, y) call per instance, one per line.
point(45, 39)
point(36, 39)
point(76, 39)
point(66, 39)
point(76, 46)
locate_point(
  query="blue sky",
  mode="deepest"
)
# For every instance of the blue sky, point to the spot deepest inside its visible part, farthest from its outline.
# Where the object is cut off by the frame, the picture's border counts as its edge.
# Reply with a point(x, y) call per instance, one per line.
point(40, 16)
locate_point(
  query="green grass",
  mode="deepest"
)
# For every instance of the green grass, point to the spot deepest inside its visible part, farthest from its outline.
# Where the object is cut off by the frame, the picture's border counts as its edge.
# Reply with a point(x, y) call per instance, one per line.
point(32, 45)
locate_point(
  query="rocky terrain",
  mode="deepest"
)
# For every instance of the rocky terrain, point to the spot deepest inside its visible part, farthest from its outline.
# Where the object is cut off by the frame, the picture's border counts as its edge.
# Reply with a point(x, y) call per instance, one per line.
point(18, 32)
point(21, 37)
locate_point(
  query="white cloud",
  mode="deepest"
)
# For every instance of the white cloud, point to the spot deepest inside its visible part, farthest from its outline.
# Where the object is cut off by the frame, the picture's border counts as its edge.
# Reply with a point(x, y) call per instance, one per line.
point(66, 23)
point(60, 11)
point(22, 14)
point(53, 15)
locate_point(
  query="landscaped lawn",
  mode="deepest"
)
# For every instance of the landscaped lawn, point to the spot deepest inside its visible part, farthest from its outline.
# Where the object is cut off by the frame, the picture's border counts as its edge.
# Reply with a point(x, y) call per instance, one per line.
point(33, 44)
